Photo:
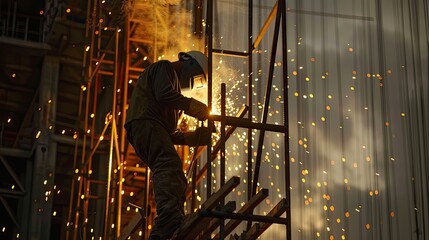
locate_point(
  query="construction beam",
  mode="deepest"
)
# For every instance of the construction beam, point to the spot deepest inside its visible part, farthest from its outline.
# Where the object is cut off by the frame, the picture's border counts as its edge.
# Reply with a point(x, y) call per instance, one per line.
point(135, 169)
point(245, 217)
point(248, 207)
point(219, 195)
point(259, 228)
point(245, 123)
point(265, 26)
point(11, 193)
point(215, 223)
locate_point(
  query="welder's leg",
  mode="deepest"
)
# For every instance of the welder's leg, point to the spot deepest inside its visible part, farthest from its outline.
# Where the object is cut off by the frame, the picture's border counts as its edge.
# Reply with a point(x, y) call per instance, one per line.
point(169, 182)
point(168, 189)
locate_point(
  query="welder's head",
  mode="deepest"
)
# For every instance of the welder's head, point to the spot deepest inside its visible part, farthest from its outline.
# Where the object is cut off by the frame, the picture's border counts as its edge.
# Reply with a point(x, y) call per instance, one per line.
point(194, 70)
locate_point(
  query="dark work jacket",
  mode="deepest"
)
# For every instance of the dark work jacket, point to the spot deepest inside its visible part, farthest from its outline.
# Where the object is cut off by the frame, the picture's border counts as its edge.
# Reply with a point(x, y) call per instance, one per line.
point(157, 96)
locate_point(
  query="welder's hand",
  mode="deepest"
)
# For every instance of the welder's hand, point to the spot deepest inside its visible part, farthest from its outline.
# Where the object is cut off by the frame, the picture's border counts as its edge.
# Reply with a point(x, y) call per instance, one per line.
point(198, 109)
point(200, 137)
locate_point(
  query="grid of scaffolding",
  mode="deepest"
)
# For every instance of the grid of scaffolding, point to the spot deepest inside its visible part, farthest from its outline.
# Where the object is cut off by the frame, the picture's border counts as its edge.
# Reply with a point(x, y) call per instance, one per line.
point(111, 190)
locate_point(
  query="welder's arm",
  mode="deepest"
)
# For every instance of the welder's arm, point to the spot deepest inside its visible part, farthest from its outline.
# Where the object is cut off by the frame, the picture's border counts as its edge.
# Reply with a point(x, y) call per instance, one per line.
point(197, 109)
point(164, 89)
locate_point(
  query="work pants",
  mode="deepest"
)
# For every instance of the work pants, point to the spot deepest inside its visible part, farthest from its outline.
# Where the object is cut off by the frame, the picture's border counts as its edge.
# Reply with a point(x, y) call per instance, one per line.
point(154, 146)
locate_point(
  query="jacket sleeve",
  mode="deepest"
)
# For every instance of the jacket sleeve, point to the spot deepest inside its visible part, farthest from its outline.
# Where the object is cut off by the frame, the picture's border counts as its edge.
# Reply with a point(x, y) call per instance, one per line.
point(178, 138)
point(166, 88)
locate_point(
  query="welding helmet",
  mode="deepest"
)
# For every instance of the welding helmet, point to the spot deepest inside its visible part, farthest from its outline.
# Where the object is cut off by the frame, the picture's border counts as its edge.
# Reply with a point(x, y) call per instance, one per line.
point(194, 71)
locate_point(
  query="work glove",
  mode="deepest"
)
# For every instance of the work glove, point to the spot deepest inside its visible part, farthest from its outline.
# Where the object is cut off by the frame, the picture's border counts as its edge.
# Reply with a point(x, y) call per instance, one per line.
point(201, 137)
point(197, 109)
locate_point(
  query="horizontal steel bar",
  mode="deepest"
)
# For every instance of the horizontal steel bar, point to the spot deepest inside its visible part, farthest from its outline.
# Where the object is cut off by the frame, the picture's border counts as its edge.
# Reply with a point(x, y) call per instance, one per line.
point(15, 152)
point(241, 216)
point(246, 209)
point(135, 169)
point(4, 191)
point(221, 193)
point(245, 123)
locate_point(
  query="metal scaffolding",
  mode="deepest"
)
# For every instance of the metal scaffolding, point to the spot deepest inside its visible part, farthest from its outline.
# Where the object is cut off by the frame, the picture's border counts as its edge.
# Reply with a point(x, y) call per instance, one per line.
point(108, 177)
point(94, 189)
point(199, 227)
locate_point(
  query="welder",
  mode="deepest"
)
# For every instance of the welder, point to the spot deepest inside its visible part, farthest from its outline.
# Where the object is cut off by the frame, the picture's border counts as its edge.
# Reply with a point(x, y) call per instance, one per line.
point(151, 124)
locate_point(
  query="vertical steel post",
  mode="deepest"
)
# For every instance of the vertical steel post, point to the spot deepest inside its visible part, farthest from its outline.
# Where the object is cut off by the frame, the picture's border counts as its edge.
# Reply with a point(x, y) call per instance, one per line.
point(73, 183)
point(120, 161)
point(122, 135)
point(282, 6)
point(222, 133)
point(87, 105)
point(76, 148)
point(265, 109)
point(112, 138)
point(109, 178)
point(266, 102)
point(222, 149)
point(209, 33)
point(249, 97)
point(85, 181)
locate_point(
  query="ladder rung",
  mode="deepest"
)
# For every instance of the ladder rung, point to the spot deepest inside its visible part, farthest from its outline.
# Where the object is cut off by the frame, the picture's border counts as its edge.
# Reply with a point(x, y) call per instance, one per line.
point(139, 40)
point(136, 69)
point(248, 207)
point(107, 51)
point(223, 191)
point(107, 73)
point(93, 197)
point(258, 228)
point(97, 136)
point(96, 181)
point(139, 178)
point(103, 61)
point(135, 169)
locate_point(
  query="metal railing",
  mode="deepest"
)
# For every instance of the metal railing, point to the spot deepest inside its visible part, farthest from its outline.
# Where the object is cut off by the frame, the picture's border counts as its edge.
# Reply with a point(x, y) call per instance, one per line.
point(20, 26)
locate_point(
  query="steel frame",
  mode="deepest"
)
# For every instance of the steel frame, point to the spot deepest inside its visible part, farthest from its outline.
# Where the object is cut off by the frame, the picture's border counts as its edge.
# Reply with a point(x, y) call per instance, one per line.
point(119, 150)
point(97, 62)
point(122, 68)
point(280, 12)
point(7, 193)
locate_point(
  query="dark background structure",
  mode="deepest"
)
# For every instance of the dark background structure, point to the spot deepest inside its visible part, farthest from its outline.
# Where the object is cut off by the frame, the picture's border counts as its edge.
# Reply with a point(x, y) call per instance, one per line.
point(355, 74)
